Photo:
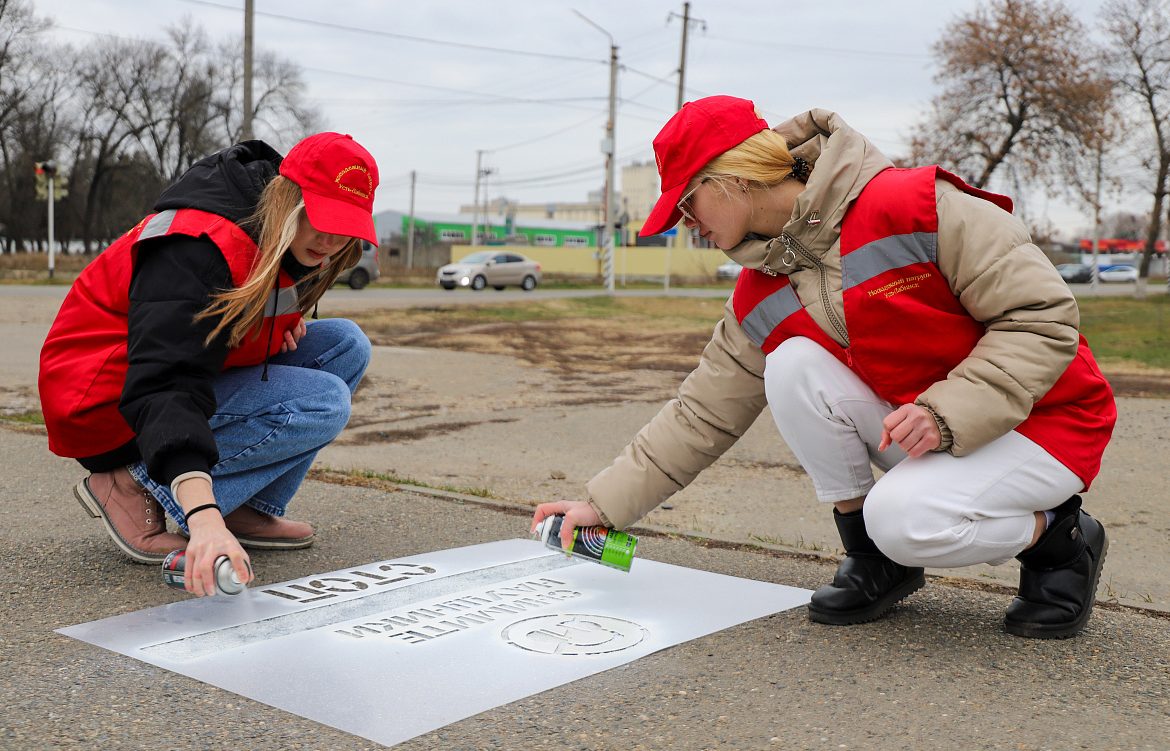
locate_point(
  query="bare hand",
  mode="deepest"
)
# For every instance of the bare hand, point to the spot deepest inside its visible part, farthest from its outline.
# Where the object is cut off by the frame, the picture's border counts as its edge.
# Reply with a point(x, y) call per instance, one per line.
point(576, 513)
point(293, 335)
point(912, 428)
point(209, 540)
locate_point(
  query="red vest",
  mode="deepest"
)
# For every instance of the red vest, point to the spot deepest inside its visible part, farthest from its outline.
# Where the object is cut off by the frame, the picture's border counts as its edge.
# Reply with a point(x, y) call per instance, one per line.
point(83, 360)
point(907, 330)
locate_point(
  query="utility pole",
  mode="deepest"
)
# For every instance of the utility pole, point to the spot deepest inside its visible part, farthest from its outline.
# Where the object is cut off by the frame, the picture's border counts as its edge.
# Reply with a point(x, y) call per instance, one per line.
point(475, 205)
point(682, 58)
point(410, 226)
point(682, 235)
point(247, 127)
point(487, 214)
point(1096, 222)
point(610, 156)
point(607, 148)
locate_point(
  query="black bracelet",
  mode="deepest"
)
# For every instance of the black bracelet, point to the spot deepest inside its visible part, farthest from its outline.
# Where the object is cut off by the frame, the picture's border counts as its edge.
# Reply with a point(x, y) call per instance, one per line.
point(187, 515)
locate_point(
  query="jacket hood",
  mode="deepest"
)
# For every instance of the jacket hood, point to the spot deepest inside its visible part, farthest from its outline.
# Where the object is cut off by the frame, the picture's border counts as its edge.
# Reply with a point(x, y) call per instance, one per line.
point(227, 183)
point(843, 162)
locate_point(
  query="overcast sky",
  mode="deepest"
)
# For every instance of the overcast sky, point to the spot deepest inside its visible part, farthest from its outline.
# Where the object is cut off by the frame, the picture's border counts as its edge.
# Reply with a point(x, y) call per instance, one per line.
point(428, 83)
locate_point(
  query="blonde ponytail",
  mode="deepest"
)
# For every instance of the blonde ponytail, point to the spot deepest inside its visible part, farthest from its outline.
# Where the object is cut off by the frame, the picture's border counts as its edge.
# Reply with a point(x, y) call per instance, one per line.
point(761, 161)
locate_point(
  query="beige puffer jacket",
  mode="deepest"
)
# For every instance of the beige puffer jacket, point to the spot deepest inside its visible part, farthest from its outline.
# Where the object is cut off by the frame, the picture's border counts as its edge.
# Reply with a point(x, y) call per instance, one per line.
point(999, 276)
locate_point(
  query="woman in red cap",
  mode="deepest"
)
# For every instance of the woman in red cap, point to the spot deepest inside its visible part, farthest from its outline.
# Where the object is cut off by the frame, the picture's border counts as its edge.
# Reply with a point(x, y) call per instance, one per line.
point(888, 317)
point(180, 371)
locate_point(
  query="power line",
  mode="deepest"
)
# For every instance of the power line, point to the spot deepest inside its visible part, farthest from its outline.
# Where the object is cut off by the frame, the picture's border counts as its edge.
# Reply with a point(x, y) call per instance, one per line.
point(771, 44)
point(380, 79)
point(407, 37)
point(376, 101)
point(667, 79)
point(565, 129)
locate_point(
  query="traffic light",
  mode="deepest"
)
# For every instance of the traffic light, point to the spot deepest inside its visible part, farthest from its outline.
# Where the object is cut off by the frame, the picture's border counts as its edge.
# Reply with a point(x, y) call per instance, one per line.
point(45, 171)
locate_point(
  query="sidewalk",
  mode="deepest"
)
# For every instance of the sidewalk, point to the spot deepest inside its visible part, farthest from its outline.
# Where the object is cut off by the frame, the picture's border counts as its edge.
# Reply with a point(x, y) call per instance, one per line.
point(938, 674)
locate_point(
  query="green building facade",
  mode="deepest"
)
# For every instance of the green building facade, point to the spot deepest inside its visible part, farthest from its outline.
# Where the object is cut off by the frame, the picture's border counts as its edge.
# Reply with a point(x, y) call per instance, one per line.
point(534, 234)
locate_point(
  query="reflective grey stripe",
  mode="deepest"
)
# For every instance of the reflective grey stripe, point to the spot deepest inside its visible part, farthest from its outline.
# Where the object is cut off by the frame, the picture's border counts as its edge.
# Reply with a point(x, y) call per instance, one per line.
point(158, 225)
point(766, 316)
point(893, 252)
point(281, 302)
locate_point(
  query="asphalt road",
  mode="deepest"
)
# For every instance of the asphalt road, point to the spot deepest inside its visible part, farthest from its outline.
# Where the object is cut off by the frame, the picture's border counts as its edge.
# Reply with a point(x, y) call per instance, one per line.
point(939, 673)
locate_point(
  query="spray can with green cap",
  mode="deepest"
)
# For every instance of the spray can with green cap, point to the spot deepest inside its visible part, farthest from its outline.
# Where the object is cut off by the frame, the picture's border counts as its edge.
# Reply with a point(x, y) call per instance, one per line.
point(603, 545)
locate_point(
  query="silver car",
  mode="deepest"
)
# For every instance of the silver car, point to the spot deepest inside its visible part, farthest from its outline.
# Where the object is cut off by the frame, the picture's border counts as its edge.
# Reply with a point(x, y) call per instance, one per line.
point(729, 270)
point(365, 271)
point(484, 268)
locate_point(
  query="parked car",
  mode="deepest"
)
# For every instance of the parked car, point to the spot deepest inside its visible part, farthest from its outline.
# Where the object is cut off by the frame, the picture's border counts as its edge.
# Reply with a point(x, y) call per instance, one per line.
point(1121, 272)
point(1075, 273)
point(729, 270)
point(488, 267)
point(365, 271)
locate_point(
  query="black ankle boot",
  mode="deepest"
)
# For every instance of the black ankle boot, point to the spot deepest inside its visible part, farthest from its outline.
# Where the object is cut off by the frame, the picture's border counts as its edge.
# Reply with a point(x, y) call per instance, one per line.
point(867, 583)
point(1058, 576)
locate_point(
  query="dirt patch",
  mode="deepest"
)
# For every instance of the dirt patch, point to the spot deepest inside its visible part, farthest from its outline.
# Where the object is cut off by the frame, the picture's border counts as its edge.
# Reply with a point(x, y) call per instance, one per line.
point(598, 353)
point(411, 413)
point(403, 435)
point(568, 346)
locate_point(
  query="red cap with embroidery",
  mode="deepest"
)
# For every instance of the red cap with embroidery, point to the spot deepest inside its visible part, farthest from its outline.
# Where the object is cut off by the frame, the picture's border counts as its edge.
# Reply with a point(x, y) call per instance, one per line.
point(699, 132)
point(337, 177)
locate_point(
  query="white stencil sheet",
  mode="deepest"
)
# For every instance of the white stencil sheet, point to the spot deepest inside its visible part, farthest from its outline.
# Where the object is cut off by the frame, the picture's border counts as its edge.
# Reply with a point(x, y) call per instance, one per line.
point(394, 649)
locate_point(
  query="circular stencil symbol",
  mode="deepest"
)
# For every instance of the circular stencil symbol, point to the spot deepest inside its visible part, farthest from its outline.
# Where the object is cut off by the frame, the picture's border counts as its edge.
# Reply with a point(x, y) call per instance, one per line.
point(574, 634)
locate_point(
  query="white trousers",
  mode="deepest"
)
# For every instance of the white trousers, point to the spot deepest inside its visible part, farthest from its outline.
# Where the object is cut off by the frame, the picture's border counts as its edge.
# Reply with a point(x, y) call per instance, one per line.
point(937, 510)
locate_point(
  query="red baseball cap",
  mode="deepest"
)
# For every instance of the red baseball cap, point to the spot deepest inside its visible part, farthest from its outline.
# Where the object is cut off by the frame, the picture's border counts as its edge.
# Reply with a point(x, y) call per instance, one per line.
point(337, 178)
point(699, 132)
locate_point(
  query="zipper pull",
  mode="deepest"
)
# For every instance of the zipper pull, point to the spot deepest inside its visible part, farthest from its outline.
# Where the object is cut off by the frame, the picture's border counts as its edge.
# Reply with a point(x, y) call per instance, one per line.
point(848, 358)
point(788, 258)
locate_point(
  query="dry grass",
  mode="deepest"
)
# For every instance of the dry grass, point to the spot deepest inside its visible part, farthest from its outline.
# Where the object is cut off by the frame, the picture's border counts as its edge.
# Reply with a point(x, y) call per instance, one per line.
point(585, 335)
point(597, 335)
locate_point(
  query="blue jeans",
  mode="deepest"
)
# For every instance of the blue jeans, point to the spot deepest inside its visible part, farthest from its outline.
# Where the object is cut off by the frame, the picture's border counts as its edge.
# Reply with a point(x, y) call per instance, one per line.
point(269, 432)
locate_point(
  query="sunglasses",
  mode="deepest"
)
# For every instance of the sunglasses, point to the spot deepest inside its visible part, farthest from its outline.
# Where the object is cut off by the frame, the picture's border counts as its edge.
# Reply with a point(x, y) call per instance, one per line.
point(684, 203)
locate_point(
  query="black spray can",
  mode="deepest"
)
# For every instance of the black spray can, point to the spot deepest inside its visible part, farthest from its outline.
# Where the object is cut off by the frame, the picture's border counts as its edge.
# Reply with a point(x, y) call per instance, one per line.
point(226, 582)
point(603, 545)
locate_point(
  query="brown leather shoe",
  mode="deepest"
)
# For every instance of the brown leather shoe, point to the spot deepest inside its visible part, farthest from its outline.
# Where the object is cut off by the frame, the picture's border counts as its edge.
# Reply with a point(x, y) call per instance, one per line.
point(263, 532)
point(131, 515)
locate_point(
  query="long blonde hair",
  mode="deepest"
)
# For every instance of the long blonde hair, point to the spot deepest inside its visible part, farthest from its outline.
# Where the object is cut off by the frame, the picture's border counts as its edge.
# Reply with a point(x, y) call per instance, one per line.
point(761, 161)
point(277, 215)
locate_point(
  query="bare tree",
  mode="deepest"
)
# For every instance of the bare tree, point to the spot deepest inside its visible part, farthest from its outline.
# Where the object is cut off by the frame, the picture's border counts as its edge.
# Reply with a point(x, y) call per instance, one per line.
point(19, 30)
point(1125, 225)
point(1140, 34)
point(112, 78)
point(19, 33)
point(280, 114)
point(176, 109)
point(1019, 88)
point(123, 119)
point(37, 131)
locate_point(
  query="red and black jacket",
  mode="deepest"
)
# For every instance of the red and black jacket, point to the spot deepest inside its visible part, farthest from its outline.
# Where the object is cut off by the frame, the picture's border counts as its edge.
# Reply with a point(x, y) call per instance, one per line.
point(124, 371)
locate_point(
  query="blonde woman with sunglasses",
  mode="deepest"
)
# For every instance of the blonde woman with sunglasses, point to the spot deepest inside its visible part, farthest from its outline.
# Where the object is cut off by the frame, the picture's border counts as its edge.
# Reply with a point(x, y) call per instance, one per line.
point(895, 318)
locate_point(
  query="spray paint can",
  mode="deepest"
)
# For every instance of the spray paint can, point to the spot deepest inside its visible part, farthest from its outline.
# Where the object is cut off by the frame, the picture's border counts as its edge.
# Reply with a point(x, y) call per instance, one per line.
point(175, 566)
point(603, 545)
